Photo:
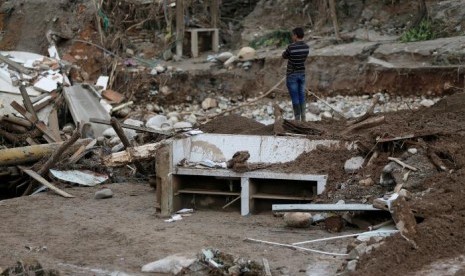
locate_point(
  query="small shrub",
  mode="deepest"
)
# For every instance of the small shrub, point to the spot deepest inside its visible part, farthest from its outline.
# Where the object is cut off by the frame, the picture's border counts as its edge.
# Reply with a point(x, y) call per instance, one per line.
point(422, 32)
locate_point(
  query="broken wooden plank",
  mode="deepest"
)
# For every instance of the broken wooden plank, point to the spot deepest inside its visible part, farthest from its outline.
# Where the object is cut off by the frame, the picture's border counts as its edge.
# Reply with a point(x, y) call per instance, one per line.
point(48, 135)
point(83, 105)
point(130, 155)
point(145, 129)
point(54, 158)
point(403, 164)
point(17, 120)
point(368, 123)
point(18, 67)
point(44, 182)
point(124, 139)
point(81, 152)
point(28, 103)
point(53, 122)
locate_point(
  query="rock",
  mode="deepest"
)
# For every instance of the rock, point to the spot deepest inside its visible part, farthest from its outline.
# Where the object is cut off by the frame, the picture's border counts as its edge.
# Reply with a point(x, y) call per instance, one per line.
point(366, 182)
point(109, 132)
point(123, 112)
point(160, 69)
point(412, 150)
point(114, 141)
point(149, 107)
point(351, 266)
point(223, 105)
point(131, 133)
point(156, 121)
point(192, 119)
point(173, 114)
point(153, 72)
point(404, 193)
point(246, 53)
point(117, 148)
point(165, 90)
point(230, 61)
point(167, 55)
point(353, 164)
point(427, 103)
point(173, 120)
point(327, 115)
point(182, 125)
point(130, 52)
point(313, 108)
point(104, 193)
point(209, 103)
point(297, 219)
point(68, 128)
point(247, 64)
point(224, 56)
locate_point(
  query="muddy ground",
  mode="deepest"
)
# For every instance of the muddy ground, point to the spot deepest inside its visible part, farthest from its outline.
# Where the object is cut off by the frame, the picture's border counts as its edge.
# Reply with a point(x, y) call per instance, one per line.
point(84, 236)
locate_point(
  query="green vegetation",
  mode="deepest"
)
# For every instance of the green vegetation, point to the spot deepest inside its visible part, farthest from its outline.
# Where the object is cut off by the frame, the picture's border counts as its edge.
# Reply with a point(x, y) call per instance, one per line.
point(278, 38)
point(422, 32)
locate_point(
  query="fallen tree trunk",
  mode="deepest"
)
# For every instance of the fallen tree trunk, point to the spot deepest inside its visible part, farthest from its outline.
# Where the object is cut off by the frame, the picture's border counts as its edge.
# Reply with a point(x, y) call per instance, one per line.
point(21, 155)
point(131, 155)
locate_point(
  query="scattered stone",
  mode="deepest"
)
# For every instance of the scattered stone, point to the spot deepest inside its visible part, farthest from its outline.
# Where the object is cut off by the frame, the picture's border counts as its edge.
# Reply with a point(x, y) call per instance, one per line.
point(153, 72)
point(297, 219)
point(130, 52)
point(156, 121)
point(165, 90)
point(131, 133)
point(104, 193)
point(117, 148)
point(313, 108)
point(353, 164)
point(246, 53)
point(412, 150)
point(224, 56)
point(167, 55)
point(68, 128)
point(209, 103)
point(327, 115)
point(114, 141)
point(427, 103)
point(351, 266)
point(149, 107)
point(182, 125)
point(404, 193)
point(223, 105)
point(230, 61)
point(173, 119)
point(123, 112)
point(109, 133)
point(366, 182)
point(160, 69)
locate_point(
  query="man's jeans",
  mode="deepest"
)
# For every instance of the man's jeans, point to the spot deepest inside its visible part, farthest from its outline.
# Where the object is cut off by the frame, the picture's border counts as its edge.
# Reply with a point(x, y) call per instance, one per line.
point(296, 85)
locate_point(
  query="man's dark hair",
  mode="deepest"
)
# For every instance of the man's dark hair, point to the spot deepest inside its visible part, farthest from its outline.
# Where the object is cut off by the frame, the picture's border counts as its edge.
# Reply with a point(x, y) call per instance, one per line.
point(299, 32)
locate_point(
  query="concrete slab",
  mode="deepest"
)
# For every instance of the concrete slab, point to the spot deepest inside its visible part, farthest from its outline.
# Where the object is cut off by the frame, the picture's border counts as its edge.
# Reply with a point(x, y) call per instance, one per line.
point(83, 105)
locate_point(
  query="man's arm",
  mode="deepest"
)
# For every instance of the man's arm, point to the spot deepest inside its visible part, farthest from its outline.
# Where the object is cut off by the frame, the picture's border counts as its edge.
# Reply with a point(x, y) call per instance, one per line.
point(286, 53)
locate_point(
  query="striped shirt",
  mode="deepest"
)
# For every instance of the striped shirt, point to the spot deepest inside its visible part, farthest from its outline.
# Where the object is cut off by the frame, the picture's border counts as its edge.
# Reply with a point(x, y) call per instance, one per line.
point(296, 54)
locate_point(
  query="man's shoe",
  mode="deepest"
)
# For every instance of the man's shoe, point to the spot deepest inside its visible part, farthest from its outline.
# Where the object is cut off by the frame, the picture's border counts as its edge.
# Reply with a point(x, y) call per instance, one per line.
point(297, 112)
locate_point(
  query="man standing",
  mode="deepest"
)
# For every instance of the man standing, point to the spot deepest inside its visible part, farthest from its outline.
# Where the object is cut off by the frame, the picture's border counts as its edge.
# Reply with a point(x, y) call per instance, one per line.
point(296, 54)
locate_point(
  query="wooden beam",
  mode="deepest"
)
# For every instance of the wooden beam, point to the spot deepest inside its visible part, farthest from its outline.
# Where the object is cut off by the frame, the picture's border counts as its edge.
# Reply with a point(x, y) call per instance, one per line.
point(130, 155)
point(179, 27)
point(21, 155)
point(332, 7)
point(44, 182)
point(18, 67)
point(48, 135)
point(214, 13)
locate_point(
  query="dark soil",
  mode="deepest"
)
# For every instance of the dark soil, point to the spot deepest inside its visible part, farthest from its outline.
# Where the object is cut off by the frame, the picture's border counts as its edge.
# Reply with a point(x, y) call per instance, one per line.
point(235, 124)
point(439, 199)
